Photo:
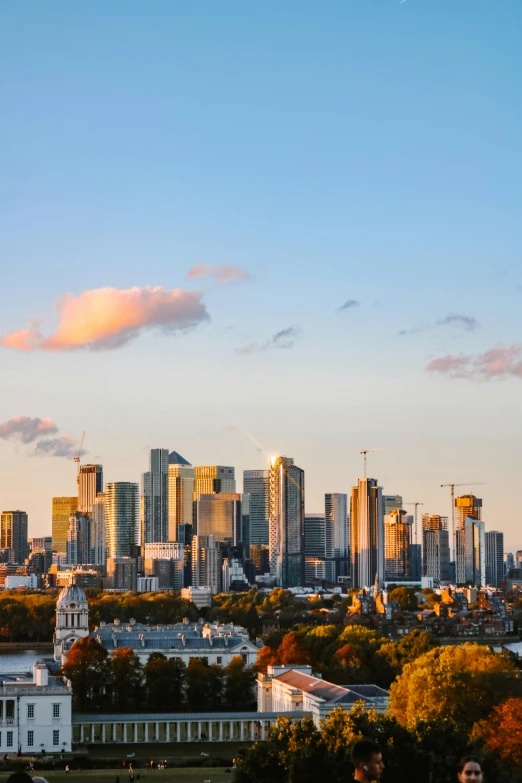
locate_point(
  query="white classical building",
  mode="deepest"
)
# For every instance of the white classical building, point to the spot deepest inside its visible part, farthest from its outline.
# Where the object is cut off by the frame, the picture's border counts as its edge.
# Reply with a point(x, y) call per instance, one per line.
point(291, 689)
point(35, 712)
point(72, 620)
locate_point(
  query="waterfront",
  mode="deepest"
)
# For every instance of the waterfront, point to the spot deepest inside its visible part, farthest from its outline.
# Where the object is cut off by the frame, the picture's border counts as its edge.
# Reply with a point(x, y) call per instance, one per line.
point(16, 661)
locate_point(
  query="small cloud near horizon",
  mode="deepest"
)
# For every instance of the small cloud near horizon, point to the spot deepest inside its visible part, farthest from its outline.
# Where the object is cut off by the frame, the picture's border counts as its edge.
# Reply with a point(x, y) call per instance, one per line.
point(284, 339)
point(26, 429)
point(466, 322)
point(220, 274)
point(107, 318)
point(348, 305)
point(65, 446)
point(500, 362)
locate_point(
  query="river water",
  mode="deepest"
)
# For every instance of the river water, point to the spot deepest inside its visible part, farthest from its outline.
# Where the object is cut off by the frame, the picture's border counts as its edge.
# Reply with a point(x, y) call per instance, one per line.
point(20, 661)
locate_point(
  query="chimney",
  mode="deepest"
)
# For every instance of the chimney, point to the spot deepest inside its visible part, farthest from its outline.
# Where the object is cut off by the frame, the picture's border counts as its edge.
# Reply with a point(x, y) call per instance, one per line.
point(41, 675)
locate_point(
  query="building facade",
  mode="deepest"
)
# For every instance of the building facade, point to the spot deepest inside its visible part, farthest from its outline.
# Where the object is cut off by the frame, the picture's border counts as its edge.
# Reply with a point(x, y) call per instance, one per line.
point(63, 509)
point(367, 534)
point(13, 534)
point(121, 518)
point(72, 620)
point(90, 483)
point(286, 530)
point(337, 532)
point(155, 498)
point(181, 492)
point(78, 548)
point(435, 547)
point(213, 479)
point(207, 562)
point(398, 527)
point(494, 541)
point(98, 531)
point(256, 483)
point(471, 552)
point(220, 515)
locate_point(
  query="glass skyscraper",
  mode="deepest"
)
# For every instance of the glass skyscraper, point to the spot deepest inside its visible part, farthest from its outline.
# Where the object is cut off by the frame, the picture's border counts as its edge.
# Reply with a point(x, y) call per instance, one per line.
point(286, 529)
point(122, 502)
point(494, 557)
point(435, 547)
point(13, 534)
point(180, 494)
point(367, 534)
point(90, 482)
point(257, 484)
point(63, 509)
point(155, 498)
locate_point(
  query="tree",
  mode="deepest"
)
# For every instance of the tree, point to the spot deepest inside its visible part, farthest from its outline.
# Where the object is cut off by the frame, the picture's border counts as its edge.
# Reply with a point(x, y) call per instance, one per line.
point(408, 649)
point(404, 596)
point(267, 656)
point(457, 684)
point(87, 667)
point(239, 685)
point(204, 686)
point(164, 682)
point(126, 678)
point(501, 731)
point(292, 650)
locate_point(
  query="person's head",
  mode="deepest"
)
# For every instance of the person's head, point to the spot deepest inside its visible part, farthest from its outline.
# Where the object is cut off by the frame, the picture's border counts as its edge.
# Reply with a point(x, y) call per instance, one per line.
point(19, 777)
point(469, 770)
point(367, 759)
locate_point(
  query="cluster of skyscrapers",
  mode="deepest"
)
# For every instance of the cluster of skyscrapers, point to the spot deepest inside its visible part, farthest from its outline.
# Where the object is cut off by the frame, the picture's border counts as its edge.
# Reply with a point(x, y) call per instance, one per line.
point(189, 526)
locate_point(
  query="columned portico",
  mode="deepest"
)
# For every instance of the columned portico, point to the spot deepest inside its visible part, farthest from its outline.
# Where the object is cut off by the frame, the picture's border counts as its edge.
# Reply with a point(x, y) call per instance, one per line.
point(176, 727)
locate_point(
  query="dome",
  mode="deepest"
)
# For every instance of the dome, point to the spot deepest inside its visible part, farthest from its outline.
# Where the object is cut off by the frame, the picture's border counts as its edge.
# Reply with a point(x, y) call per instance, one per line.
point(72, 594)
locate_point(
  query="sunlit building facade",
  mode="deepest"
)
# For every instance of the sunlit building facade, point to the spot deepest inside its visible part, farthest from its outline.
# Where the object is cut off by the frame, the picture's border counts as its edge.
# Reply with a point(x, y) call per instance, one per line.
point(13, 534)
point(223, 516)
point(471, 552)
point(286, 529)
point(99, 534)
point(63, 509)
point(367, 534)
point(257, 484)
point(154, 498)
point(435, 547)
point(337, 532)
point(180, 494)
point(90, 483)
point(121, 518)
point(397, 545)
point(212, 479)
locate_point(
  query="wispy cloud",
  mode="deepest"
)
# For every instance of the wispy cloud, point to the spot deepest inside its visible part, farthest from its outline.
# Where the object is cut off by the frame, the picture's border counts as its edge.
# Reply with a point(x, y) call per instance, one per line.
point(220, 274)
point(26, 429)
point(457, 320)
point(65, 446)
point(105, 318)
point(348, 305)
point(501, 362)
point(284, 339)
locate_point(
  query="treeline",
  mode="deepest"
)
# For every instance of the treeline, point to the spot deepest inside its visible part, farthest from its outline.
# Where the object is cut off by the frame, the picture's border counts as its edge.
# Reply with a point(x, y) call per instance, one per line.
point(119, 682)
point(447, 703)
point(27, 617)
point(345, 654)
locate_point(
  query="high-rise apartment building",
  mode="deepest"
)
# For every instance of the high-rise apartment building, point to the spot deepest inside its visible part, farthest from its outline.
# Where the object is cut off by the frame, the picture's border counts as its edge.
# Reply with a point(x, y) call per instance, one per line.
point(122, 571)
point(467, 506)
point(212, 479)
point(63, 509)
point(98, 531)
point(221, 516)
point(397, 545)
point(286, 529)
point(337, 532)
point(509, 562)
point(207, 560)
point(257, 484)
point(367, 534)
point(122, 518)
point(13, 534)
point(471, 552)
point(391, 503)
point(79, 539)
point(180, 492)
point(90, 483)
point(155, 498)
point(435, 547)
point(316, 566)
point(494, 557)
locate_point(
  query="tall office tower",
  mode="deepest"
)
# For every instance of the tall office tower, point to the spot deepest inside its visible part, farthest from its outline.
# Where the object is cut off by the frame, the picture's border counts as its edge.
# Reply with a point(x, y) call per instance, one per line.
point(260, 556)
point(286, 528)
point(316, 565)
point(435, 547)
point(79, 539)
point(518, 558)
point(397, 545)
point(98, 531)
point(90, 482)
point(212, 479)
point(467, 506)
point(155, 498)
point(122, 504)
point(494, 557)
point(207, 560)
point(337, 532)
point(180, 491)
point(391, 503)
point(367, 534)
point(13, 534)
point(471, 552)
point(257, 484)
point(63, 509)
point(509, 562)
point(221, 516)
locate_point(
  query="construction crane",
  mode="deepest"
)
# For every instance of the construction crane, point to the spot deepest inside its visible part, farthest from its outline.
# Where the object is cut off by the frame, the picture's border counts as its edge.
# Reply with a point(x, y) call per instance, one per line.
point(77, 459)
point(365, 452)
point(452, 491)
point(416, 504)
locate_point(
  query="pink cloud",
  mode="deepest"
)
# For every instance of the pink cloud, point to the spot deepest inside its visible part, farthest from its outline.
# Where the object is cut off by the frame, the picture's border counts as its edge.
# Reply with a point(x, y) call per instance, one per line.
point(105, 318)
point(26, 429)
point(220, 274)
point(501, 362)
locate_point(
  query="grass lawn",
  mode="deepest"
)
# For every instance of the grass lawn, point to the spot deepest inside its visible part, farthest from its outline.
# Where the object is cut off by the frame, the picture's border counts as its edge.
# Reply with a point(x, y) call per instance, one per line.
point(181, 775)
point(165, 750)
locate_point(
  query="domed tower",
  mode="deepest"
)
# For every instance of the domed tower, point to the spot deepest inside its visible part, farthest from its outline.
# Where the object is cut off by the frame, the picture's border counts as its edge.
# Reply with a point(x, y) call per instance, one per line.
point(72, 620)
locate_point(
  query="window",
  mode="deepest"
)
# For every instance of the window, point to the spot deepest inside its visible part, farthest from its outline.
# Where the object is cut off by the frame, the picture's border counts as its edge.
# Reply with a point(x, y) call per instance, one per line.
point(56, 710)
point(219, 659)
point(30, 711)
point(9, 739)
point(56, 737)
point(30, 739)
point(244, 658)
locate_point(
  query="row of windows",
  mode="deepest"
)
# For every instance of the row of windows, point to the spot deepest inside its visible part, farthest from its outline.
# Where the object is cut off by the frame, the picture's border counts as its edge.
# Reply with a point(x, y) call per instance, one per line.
point(30, 738)
point(30, 711)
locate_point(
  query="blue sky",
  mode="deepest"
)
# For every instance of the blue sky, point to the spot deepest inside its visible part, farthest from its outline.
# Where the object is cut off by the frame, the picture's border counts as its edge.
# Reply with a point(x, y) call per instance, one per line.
point(362, 150)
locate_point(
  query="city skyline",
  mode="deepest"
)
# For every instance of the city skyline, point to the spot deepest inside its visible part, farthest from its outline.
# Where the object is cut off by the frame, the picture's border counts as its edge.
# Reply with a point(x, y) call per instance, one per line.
point(311, 244)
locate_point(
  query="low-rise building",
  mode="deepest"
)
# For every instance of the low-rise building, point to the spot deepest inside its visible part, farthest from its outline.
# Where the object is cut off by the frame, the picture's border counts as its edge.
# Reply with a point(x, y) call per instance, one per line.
point(200, 596)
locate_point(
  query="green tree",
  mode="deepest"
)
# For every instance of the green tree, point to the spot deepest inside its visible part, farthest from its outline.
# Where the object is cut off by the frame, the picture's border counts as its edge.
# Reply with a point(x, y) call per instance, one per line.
point(87, 667)
point(239, 682)
point(458, 684)
point(164, 682)
point(126, 678)
point(204, 686)
point(405, 596)
point(408, 649)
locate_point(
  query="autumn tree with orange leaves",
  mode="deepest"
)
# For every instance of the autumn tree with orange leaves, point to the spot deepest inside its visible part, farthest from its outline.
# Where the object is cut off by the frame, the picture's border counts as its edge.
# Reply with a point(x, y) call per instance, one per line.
point(501, 731)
